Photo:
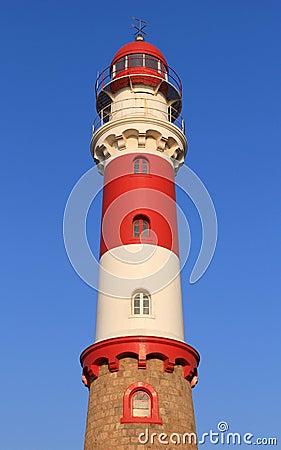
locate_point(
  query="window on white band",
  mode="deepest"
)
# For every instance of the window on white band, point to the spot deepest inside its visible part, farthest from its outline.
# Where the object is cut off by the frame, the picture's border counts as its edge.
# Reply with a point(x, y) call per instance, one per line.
point(141, 304)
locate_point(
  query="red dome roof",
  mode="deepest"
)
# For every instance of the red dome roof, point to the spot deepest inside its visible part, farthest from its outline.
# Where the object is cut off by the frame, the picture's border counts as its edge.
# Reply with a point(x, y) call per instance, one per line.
point(139, 47)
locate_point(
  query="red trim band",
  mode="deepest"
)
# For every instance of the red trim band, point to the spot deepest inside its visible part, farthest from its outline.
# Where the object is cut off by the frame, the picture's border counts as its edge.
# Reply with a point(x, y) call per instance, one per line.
point(170, 351)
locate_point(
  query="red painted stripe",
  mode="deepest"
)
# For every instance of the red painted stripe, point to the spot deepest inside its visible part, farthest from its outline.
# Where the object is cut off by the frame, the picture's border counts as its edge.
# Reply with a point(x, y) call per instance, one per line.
point(127, 195)
point(170, 351)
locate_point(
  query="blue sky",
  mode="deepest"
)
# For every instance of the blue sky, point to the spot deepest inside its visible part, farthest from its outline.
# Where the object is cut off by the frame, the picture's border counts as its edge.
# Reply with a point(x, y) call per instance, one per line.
point(228, 57)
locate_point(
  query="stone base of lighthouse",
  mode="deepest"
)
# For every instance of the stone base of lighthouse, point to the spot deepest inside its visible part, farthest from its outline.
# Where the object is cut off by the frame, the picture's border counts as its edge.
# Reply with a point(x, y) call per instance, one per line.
point(111, 423)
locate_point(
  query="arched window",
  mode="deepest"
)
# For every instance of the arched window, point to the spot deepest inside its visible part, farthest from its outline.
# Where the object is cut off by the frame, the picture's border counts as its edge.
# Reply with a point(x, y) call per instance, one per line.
point(141, 304)
point(141, 227)
point(141, 165)
point(140, 404)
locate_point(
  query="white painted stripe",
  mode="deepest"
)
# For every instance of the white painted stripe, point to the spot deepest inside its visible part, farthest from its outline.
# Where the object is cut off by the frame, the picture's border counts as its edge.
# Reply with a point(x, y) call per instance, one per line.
point(125, 270)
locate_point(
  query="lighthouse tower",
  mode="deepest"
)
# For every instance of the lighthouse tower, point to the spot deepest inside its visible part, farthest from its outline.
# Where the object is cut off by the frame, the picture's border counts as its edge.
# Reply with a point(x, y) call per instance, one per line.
point(139, 370)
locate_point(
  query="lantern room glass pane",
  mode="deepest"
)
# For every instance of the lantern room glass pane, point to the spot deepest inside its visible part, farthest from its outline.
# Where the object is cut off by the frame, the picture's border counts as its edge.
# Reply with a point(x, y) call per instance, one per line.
point(151, 62)
point(135, 60)
point(120, 64)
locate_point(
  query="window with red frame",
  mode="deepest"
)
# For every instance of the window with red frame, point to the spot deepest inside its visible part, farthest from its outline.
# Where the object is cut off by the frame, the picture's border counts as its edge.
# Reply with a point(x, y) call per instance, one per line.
point(140, 404)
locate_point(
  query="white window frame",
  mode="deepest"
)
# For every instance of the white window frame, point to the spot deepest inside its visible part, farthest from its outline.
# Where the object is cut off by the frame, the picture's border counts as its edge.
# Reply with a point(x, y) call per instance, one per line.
point(141, 307)
point(113, 70)
point(159, 67)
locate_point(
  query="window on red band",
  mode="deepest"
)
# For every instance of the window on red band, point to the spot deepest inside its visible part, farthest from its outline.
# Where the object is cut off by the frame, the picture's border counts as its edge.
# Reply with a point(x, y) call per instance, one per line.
point(141, 227)
point(141, 166)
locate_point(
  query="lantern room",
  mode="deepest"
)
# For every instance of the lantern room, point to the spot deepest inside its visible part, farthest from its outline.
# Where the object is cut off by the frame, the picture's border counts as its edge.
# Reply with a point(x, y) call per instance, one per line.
point(138, 58)
point(138, 71)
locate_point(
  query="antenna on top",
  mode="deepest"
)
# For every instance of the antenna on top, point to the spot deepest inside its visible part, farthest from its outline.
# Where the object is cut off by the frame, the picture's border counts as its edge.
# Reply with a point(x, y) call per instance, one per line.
point(139, 34)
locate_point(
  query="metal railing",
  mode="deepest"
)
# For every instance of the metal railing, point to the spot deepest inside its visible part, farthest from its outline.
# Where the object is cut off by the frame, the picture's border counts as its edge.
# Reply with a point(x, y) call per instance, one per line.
point(110, 112)
point(164, 74)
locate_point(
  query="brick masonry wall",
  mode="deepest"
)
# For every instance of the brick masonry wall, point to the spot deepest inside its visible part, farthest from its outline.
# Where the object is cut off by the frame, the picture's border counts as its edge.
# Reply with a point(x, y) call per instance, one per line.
point(104, 430)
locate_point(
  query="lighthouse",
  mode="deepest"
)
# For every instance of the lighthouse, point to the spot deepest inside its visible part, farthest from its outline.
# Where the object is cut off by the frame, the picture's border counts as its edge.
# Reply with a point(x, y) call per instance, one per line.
point(140, 370)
